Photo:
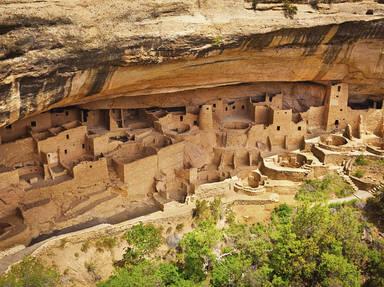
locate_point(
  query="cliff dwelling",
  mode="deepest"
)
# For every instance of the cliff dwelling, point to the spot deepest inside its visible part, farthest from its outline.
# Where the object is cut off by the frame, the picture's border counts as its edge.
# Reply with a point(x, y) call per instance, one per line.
point(126, 156)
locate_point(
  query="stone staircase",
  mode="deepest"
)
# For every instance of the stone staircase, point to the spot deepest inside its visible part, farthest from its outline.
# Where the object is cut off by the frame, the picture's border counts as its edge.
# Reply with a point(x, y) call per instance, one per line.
point(347, 179)
point(377, 188)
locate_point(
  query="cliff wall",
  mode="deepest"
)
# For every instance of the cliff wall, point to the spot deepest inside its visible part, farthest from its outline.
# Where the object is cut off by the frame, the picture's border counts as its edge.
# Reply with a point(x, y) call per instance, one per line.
point(60, 53)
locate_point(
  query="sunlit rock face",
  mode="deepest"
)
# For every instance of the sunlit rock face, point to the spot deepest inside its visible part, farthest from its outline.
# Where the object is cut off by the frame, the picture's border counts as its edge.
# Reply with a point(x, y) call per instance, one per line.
point(83, 55)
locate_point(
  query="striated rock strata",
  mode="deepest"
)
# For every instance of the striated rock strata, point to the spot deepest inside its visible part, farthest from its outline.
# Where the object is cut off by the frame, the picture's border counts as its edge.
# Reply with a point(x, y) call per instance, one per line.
point(59, 54)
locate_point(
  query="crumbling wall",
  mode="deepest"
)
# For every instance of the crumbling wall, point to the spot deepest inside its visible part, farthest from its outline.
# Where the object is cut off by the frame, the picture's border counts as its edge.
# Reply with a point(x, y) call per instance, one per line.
point(17, 152)
point(8, 178)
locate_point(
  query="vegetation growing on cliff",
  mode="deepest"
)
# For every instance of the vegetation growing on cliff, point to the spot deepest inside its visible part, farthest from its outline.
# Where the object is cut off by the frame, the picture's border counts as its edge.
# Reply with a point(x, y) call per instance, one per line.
point(30, 273)
point(306, 246)
point(322, 189)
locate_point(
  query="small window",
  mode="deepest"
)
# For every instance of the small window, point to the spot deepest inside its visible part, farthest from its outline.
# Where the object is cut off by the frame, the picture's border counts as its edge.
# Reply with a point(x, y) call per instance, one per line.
point(49, 155)
point(242, 107)
point(339, 88)
point(83, 146)
point(9, 127)
point(337, 96)
point(181, 118)
point(214, 105)
point(278, 128)
point(226, 108)
point(233, 107)
point(65, 151)
point(67, 136)
point(67, 113)
point(341, 110)
point(33, 123)
point(90, 166)
point(207, 108)
point(299, 128)
point(195, 123)
point(200, 106)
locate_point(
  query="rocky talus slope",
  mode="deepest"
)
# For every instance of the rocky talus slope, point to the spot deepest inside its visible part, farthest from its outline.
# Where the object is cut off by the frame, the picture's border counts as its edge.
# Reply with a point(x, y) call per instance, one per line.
point(59, 53)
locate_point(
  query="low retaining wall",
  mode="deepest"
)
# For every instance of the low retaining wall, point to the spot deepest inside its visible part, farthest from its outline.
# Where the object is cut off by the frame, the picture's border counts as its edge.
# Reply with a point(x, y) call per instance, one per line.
point(361, 183)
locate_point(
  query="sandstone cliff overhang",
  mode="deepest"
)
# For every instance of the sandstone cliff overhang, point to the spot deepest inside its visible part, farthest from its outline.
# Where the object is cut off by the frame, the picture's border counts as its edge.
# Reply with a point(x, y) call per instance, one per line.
point(74, 52)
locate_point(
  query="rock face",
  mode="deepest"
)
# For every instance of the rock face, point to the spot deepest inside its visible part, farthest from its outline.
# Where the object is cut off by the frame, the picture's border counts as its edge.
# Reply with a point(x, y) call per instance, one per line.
point(111, 109)
point(55, 54)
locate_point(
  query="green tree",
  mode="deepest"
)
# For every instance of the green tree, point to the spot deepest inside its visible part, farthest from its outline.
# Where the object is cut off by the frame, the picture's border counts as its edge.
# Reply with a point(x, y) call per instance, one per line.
point(216, 208)
point(337, 271)
point(197, 253)
point(375, 270)
point(30, 273)
point(144, 274)
point(229, 271)
point(202, 211)
point(143, 240)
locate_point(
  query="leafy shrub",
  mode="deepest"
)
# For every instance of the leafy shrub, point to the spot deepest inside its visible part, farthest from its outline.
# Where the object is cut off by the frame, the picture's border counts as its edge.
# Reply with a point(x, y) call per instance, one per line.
point(106, 242)
point(358, 173)
point(143, 240)
point(30, 273)
point(254, 4)
point(90, 267)
point(289, 9)
point(205, 211)
point(218, 40)
point(322, 189)
point(361, 160)
point(197, 250)
point(85, 246)
point(179, 227)
point(148, 274)
point(202, 211)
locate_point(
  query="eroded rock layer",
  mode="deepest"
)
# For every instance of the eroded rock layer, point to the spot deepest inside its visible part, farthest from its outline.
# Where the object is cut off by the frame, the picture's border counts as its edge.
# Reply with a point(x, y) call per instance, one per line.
point(53, 61)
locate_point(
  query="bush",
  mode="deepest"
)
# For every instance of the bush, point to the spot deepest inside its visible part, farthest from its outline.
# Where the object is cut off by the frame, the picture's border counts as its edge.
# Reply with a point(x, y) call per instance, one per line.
point(202, 211)
point(85, 246)
point(361, 160)
point(90, 267)
point(254, 4)
point(197, 250)
point(179, 227)
point(290, 10)
point(30, 273)
point(106, 242)
point(143, 240)
point(358, 173)
point(322, 189)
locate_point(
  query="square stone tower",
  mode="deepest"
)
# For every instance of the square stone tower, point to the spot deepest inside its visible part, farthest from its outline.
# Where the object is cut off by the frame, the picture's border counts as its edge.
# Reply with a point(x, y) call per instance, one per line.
point(336, 107)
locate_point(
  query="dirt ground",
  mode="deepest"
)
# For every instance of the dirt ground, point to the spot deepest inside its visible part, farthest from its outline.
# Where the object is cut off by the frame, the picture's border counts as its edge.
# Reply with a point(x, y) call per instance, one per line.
point(371, 170)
